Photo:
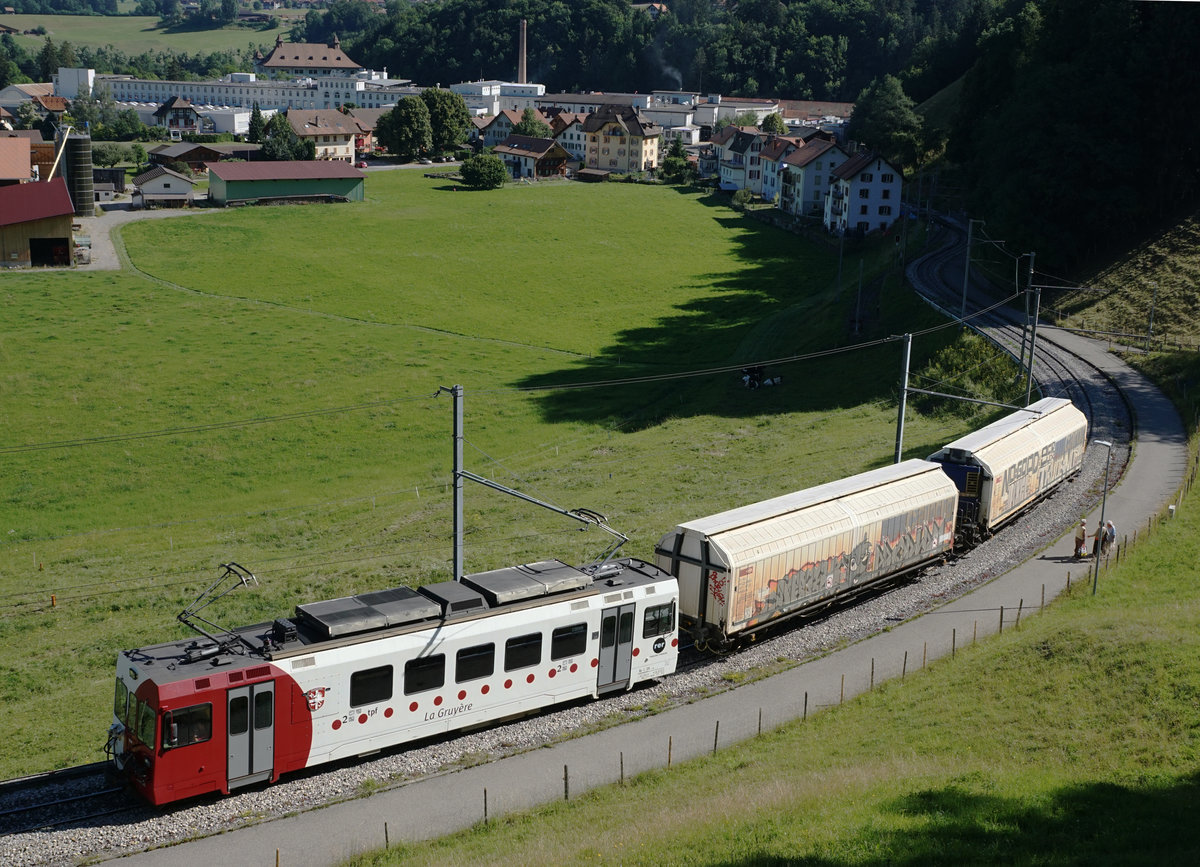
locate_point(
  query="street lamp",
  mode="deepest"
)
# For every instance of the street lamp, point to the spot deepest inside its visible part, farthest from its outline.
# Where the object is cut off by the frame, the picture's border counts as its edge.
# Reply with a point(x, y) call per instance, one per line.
point(1103, 503)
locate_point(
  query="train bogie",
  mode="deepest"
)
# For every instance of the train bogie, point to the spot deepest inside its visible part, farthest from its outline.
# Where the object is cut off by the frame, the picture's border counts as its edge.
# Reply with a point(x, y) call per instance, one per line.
point(355, 675)
point(1003, 468)
point(749, 567)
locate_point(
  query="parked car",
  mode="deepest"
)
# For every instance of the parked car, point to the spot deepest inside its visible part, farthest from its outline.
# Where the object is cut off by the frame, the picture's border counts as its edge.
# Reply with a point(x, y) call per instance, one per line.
point(425, 161)
point(362, 164)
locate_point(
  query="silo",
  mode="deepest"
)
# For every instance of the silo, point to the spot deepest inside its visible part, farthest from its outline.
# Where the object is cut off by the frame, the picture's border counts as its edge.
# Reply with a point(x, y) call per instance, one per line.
point(79, 174)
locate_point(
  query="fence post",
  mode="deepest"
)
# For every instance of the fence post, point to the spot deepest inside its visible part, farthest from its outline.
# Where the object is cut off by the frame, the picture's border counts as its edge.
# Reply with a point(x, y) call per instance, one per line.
point(904, 667)
point(1001, 619)
point(1020, 605)
point(953, 641)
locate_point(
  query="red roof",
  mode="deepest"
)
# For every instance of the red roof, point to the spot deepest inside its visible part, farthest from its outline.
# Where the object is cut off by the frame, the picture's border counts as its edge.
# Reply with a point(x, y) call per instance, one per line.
point(24, 203)
point(284, 170)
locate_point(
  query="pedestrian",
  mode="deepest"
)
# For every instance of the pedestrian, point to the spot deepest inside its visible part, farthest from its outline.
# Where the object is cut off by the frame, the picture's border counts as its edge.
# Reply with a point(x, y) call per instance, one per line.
point(1110, 538)
point(1081, 540)
point(1099, 540)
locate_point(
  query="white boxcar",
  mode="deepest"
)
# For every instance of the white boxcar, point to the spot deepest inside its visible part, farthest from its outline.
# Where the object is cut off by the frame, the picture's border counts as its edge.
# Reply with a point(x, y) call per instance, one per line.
point(741, 569)
point(1003, 468)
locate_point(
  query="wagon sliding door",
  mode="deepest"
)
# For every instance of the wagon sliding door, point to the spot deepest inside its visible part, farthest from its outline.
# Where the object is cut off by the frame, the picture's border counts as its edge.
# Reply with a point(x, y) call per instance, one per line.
point(251, 724)
point(616, 648)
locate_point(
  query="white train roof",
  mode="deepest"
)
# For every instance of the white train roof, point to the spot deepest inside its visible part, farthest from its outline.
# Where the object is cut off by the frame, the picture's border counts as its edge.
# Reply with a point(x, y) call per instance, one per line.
point(1008, 440)
point(798, 501)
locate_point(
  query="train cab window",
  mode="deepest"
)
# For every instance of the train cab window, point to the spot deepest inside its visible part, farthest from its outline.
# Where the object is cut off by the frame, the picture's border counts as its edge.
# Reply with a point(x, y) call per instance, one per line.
point(425, 673)
point(523, 651)
point(371, 685)
point(188, 725)
point(568, 641)
point(145, 723)
point(239, 715)
point(121, 703)
point(264, 710)
point(472, 663)
point(659, 620)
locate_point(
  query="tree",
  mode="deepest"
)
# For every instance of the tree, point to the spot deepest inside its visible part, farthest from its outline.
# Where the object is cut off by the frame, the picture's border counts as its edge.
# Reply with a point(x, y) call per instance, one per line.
point(484, 172)
point(282, 143)
point(675, 166)
point(449, 119)
point(229, 11)
point(138, 153)
point(773, 123)
point(886, 121)
point(405, 130)
point(27, 115)
point(258, 126)
point(531, 124)
point(107, 154)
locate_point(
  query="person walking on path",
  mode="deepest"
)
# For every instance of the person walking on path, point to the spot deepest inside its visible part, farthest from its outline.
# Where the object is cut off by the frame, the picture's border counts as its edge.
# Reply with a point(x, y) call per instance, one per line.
point(1099, 540)
point(1081, 540)
point(1110, 538)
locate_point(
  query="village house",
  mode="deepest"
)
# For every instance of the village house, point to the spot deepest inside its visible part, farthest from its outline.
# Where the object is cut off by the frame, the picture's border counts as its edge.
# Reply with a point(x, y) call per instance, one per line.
point(161, 187)
point(774, 149)
point(331, 132)
point(529, 157)
point(805, 175)
point(178, 116)
point(738, 164)
point(864, 195)
point(567, 127)
point(620, 139)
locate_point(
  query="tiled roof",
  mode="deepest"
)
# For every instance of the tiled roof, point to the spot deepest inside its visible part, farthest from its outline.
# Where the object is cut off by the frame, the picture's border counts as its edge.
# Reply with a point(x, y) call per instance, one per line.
point(34, 136)
point(15, 159)
point(52, 103)
point(313, 55)
point(855, 164)
point(806, 108)
point(267, 170)
point(368, 118)
point(158, 172)
point(776, 146)
point(24, 203)
point(526, 146)
point(322, 121)
point(805, 155)
point(625, 116)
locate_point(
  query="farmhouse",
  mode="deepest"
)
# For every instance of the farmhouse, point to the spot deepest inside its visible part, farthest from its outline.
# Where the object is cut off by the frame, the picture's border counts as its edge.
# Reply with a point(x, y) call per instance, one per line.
point(328, 180)
point(529, 157)
point(332, 133)
point(35, 224)
point(164, 188)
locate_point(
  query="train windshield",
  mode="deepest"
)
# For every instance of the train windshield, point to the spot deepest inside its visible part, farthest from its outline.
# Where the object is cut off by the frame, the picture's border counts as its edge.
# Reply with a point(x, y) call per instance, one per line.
point(121, 703)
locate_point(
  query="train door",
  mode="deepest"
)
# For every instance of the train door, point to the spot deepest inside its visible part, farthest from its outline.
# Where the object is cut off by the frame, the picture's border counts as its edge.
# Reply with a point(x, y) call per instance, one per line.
point(251, 743)
point(616, 647)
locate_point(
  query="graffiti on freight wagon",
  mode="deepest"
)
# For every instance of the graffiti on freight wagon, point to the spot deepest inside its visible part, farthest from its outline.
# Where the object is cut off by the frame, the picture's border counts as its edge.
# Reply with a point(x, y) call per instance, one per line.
point(1037, 472)
point(918, 537)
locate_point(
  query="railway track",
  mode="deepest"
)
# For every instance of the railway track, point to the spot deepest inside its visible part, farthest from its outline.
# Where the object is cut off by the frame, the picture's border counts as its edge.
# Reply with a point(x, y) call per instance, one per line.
point(56, 799)
point(46, 833)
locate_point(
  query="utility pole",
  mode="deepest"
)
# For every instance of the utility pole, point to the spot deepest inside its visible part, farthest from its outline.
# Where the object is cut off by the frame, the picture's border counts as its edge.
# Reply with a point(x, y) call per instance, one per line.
point(1037, 306)
point(967, 268)
point(456, 394)
point(903, 398)
point(858, 301)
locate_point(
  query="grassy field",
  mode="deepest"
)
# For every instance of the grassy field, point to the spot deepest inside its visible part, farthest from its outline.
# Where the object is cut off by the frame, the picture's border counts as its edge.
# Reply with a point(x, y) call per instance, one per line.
point(1071, 740)
point(135, 34)
point(263, 389)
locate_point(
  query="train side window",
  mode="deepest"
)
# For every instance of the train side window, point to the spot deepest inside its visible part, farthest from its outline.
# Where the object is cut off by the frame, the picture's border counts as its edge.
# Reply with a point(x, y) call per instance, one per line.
point(145, 723)
point(239, 715)
point(121, 703)
point(188, 725)
point(475, 662)
point(264, 710)
point(625, 634)
point(659, 620)
point(371, 685)
point(523, 651)
point(568, 641)
point(425, 673)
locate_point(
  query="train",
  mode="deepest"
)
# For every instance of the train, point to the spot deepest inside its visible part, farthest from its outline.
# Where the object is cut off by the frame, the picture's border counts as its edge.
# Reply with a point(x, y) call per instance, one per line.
point(347, 677)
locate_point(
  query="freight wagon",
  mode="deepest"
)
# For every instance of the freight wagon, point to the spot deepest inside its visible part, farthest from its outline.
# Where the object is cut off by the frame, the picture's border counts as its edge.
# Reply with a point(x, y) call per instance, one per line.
point(1005, 467)
point(751, 566)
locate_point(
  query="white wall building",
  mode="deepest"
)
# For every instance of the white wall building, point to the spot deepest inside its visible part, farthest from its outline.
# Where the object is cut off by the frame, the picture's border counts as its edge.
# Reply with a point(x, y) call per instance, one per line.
point(864, 196)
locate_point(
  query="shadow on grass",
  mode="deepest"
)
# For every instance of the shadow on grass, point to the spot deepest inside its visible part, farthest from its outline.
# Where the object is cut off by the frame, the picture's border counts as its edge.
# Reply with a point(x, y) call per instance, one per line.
point(1099, 823)
point(779, 301)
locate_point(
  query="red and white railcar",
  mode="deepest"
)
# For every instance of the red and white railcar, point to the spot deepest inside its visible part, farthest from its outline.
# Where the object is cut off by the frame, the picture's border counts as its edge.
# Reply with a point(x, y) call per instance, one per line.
point(350, 676)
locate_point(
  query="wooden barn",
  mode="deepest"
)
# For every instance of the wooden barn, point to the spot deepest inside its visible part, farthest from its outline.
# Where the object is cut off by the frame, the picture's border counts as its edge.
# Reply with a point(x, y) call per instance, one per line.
point(300, 181)
point(35, 224)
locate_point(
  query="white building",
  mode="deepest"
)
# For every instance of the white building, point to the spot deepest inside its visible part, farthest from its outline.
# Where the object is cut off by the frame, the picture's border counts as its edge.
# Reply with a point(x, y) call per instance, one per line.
point(805, 175)
point(864, 196)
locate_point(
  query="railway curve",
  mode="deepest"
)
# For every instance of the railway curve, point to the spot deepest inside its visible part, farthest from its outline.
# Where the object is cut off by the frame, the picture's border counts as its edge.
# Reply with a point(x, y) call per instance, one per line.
point(505, 758)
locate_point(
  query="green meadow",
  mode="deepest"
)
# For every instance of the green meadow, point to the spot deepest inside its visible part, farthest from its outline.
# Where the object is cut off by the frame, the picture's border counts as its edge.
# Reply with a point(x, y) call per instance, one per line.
point(135, 34)
point(1069, 740)
point(261, 385)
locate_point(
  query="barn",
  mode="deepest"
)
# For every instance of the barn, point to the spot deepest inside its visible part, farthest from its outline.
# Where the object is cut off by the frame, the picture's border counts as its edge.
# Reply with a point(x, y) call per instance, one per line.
point(301, 181)
point(35, 224)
